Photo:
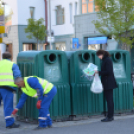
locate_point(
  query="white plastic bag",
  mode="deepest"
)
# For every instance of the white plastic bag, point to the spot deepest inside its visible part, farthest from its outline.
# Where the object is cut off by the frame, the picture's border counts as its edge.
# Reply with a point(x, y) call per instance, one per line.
point(96, 86)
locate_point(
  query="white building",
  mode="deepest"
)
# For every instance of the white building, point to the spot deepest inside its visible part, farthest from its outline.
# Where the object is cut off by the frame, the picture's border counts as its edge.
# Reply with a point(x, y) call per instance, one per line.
point(15, 38)
point(74, 19)
point(62, 22)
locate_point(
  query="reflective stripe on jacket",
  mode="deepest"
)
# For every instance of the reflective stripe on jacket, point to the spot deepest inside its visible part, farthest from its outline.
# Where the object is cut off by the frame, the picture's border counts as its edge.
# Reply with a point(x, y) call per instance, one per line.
point(32, 92)
point(6, 73)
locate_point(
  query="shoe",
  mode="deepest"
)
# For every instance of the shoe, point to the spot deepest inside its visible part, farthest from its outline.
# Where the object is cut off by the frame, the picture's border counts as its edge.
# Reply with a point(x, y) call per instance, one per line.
point(13, 126)
point(39, 128)
point(107, 119)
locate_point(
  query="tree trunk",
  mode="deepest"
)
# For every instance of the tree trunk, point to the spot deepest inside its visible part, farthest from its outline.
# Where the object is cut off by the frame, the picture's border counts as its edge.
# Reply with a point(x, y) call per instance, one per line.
point(37, 44)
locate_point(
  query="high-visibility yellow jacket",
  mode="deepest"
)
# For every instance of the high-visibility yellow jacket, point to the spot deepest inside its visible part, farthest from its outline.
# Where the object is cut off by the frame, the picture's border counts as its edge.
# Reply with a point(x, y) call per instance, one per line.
point(32, 92)
point(6, 73)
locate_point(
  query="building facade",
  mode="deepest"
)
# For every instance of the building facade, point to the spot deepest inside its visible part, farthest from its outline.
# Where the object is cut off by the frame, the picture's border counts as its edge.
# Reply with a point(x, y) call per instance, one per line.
point(74, 19)
point(85, 30)
point(63, 23)
point(17, 13)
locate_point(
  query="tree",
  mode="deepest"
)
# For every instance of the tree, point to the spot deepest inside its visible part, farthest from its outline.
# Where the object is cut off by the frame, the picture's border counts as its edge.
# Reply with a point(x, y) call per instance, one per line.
point(1, 10)
point(36, 29)
point(116, 18)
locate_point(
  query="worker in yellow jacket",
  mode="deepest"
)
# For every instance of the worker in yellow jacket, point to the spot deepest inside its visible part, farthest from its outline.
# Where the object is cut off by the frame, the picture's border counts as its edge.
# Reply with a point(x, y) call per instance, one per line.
point(8, 72)
point(38, 88)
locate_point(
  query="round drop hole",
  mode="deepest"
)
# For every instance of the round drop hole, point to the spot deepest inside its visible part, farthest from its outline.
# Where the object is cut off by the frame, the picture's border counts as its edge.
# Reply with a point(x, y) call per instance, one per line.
point(52, 58)
point(86, 57)
point(117, 56)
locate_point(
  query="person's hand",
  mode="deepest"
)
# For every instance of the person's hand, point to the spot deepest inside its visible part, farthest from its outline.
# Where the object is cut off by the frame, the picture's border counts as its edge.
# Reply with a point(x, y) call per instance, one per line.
point(14, 112)
point(38, 105)
point(96, 72)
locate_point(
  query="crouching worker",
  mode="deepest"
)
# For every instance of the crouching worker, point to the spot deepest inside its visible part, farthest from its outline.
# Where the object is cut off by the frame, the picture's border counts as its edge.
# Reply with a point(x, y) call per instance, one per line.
point(41, 89)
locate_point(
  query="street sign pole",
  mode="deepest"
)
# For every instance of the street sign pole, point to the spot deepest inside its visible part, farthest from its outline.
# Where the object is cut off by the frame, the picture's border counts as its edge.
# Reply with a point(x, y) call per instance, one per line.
point(50, 23)
point(50, 39)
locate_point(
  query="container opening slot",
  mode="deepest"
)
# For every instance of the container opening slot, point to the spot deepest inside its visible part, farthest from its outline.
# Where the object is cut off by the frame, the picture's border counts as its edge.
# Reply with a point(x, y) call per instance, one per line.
point(86, 56)
point(52, 57)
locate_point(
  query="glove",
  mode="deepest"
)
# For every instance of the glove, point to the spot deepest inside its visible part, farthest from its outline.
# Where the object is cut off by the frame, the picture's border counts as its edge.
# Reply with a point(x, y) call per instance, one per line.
point(38, 105)
point(14, 112)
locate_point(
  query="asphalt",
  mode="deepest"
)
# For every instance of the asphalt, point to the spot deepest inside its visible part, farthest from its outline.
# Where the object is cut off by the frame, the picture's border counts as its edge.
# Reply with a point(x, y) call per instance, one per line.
point(122, 125)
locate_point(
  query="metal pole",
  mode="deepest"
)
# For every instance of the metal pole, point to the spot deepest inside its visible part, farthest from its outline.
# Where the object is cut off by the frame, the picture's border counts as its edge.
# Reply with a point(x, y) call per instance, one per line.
point(50, 24)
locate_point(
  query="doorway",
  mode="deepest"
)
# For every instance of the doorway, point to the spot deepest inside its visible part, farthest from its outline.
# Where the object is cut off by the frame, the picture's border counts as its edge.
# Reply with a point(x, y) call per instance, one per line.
point(94, 47)
point(9, 48)
point(61, 46)
point(27, 47)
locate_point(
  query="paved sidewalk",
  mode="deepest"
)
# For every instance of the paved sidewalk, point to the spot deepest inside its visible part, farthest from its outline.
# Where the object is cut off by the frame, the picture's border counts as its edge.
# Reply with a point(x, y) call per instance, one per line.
point(121, 125)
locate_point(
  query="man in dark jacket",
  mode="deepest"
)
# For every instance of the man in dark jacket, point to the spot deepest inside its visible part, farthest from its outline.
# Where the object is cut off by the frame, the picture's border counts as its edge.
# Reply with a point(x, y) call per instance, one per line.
point(108, 82)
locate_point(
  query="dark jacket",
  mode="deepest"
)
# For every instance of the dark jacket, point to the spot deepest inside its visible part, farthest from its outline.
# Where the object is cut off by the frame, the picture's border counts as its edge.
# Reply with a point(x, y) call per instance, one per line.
point(107, 74)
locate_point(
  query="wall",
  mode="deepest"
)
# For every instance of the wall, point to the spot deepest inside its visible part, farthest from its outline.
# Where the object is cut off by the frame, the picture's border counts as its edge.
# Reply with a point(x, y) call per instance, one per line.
point(23, 38)
point(64, 39)
point(2, 49)
point(13, 4)
point(112, 44)
point(21, 12)
point(24, 14)
point(24, 10)
point(13, 39)
point(85, 28)
point(66, 28)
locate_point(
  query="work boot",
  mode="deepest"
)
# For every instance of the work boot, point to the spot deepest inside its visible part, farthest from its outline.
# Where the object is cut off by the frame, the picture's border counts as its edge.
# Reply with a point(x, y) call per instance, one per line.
point(107, 119)
point(39, 128)
point(13, 126)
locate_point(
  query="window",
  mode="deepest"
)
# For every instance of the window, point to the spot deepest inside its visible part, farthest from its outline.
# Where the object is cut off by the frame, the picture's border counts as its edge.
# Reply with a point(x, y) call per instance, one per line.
point(59, 15)
point(61, 46)
point(94, 47)
point(87, 6)
point(70, 7)
point(76, 8)
point(90, 6)
point(84, 6)
point(32, 12)
point(27, 47)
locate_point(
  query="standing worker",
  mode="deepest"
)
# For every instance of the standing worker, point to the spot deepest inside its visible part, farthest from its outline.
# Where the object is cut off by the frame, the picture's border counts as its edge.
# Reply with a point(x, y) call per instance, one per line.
point(8, 72)
point(41, 89)
point(108, 82)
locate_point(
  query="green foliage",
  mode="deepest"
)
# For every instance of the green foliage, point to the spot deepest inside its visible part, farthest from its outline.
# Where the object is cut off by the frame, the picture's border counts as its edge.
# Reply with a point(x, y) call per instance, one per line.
point(116, 18)
point(36, 29)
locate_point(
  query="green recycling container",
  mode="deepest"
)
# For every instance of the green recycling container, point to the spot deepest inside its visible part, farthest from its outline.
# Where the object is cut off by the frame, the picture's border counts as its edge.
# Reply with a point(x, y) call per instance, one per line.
point(123, 95)
point(52, 66)
point(83, 101)
point(69, 55)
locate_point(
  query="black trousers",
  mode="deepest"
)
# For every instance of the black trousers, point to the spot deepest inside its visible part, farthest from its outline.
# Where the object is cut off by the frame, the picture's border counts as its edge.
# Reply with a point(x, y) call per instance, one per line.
point(110, 102)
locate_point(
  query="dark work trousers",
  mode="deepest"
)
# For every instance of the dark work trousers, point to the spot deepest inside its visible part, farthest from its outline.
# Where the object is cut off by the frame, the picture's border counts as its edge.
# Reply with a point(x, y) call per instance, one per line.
point(7, 97)
point(110, 103)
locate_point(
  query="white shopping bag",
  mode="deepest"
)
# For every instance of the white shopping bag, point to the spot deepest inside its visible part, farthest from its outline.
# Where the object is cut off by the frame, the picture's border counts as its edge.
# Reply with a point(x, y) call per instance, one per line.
point(96, 86)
